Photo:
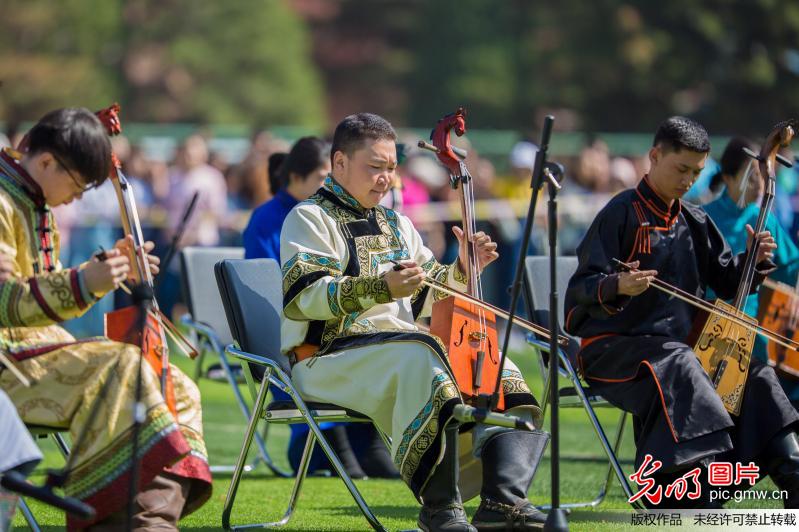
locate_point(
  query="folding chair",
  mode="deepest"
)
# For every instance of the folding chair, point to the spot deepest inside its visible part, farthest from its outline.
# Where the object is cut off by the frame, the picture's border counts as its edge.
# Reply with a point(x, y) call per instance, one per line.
point(253, 299)
point(537, 292)
point(40, 432)
point(206, 319)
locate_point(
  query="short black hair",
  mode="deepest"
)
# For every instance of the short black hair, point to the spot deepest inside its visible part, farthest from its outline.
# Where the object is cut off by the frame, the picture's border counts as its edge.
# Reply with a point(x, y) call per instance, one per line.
point(351, 132)
point(678, 132)
point(307, 154)
point(77, 139)
point(734, 157)
point(273, 167)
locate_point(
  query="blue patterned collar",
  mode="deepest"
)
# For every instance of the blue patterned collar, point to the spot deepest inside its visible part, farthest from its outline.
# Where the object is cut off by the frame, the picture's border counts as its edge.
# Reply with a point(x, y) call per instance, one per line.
point(341, 193)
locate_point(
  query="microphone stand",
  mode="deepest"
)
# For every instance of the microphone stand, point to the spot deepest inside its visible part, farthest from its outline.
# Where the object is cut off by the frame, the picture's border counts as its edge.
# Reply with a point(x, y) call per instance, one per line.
point(552, 172)
point(556, 519)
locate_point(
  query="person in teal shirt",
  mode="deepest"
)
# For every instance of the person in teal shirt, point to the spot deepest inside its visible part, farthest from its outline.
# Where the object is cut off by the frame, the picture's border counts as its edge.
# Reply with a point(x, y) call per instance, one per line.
point(738, 206)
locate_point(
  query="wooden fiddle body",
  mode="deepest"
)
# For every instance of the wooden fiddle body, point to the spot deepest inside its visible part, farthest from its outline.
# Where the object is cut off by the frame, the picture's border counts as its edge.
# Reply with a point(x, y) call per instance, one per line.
point(725, 348)
point(778, 309)
point(467, 330)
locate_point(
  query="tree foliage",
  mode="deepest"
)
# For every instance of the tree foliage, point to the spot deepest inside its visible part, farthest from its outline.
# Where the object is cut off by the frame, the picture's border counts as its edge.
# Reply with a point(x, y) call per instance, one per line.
point(620, 64)
point(615, 65)
point(236, 61)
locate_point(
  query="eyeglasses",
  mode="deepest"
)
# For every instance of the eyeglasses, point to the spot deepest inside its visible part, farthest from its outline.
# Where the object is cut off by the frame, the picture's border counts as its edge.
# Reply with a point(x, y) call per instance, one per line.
point(78, 183)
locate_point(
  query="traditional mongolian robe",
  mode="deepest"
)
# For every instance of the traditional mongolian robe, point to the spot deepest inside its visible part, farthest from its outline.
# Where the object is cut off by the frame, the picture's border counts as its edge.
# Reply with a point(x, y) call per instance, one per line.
point(69, 373)
point(369, 356)
point(633, 351)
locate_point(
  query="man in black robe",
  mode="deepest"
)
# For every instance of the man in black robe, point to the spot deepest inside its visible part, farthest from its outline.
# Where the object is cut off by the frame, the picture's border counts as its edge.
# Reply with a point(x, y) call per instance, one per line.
point(633, 351)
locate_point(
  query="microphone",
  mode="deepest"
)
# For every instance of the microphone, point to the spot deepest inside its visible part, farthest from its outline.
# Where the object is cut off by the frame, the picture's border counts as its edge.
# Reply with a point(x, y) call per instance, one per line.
point(14, 481)
point(470, 414)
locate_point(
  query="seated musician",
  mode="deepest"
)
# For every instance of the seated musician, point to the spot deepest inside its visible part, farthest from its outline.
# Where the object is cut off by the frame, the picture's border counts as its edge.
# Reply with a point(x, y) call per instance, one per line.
point(298, 176)
point(348, 326)
point(68, 152)
point(735, 208)
point(633, 351)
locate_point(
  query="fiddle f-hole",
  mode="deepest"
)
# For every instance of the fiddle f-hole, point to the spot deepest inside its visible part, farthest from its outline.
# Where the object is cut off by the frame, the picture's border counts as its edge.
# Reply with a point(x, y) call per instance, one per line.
point(461, 334)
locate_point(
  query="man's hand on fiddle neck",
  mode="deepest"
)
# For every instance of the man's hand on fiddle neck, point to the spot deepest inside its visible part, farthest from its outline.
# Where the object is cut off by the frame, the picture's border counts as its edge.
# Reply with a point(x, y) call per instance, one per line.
point(484, 249)
point(767, 246)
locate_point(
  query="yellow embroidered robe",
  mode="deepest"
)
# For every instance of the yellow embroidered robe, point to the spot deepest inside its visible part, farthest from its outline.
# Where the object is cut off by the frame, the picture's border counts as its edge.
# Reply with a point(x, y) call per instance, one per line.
point(69, 374)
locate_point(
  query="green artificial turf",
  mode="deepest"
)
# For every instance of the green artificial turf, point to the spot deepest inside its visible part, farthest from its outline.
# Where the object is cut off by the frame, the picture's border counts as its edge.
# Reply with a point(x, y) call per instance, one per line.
point(325, 504)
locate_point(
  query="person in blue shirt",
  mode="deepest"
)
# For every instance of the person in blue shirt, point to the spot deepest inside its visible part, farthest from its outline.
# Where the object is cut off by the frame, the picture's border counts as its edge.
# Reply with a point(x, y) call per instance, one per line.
point(294, 177)
point(735, 208)
point(301, 174)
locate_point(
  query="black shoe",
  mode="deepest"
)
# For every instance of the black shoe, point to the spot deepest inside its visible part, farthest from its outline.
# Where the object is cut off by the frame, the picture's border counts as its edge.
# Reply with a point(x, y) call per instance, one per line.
point(492, 515)
point(216, 372)
point(781, 460)
point(442, 510)
point(510, 460)
point(450, 518)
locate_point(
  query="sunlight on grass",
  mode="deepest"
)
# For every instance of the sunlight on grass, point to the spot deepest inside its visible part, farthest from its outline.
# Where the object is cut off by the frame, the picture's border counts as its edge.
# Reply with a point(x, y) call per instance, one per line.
point(325, 503)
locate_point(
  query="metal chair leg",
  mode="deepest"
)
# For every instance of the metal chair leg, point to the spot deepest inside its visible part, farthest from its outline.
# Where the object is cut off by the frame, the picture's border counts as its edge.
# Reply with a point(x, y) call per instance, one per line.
point(26, 512)
point(260, 442)
point(61, 443)
point(617, 444)
point(204, 344)
point(610, 451)
point(337, 465)
point(242, 460)
point(305, 461)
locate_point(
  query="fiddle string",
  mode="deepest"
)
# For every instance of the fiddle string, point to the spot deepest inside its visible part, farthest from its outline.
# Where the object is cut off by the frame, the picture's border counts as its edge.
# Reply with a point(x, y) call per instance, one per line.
point(793, 301)
point(537, 329)
point(709, 307)
point(474, 259)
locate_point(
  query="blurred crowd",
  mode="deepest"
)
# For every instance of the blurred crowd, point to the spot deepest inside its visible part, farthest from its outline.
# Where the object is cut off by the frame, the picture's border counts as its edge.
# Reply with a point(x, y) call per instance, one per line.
point(229, 191)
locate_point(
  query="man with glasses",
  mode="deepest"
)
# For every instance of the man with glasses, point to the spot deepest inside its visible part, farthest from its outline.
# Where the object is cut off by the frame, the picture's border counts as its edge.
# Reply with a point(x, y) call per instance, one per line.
point(66, 153)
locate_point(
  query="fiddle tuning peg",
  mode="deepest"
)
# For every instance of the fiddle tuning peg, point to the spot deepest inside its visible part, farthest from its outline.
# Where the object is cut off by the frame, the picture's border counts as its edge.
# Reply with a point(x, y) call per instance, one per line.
point(460, 152)
point(780, 158)
point(784, 161)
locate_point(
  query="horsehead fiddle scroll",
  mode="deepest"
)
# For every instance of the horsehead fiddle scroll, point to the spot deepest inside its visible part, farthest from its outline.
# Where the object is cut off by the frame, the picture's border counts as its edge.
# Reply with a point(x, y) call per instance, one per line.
point(464, 321)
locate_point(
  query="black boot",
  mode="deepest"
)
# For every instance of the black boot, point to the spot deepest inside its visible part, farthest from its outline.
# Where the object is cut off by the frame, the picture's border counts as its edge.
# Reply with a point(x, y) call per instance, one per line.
point(340, 442)
point(442, 509)
point(509, 463)
point(371, 450)
point(781, 459)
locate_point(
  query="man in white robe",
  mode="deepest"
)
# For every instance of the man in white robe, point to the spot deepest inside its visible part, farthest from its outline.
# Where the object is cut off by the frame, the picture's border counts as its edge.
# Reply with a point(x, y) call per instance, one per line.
point(348, 327)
